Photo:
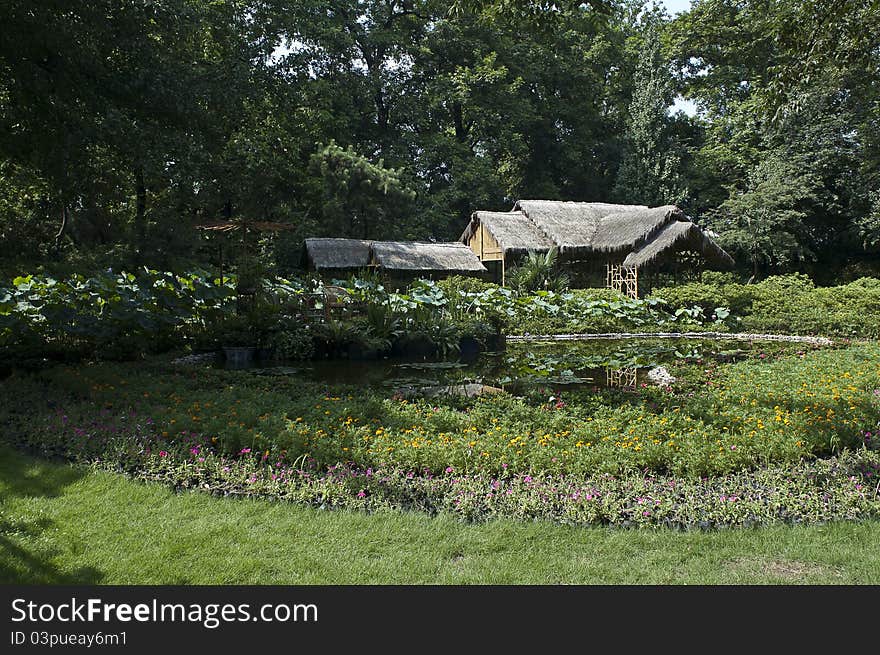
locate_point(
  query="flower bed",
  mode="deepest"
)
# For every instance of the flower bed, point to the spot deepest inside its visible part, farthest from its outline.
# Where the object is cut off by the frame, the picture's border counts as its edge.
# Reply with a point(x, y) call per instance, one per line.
point(732, 445)
point(846, 487)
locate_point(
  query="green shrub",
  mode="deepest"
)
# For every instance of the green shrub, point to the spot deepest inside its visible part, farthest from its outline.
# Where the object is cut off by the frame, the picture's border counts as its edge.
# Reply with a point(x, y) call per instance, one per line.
point(481, 331)
point(695, 294)
point(786, 304)
point(340, 338)
point(538, 272)
point(602, 294)
point(446, 336)
point(720, 278)
point(293, 340)
point(455, 285)
point(233, 330)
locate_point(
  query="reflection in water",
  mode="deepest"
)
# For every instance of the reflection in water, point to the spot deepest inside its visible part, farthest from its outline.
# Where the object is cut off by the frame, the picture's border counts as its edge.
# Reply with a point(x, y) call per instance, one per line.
point(621, 378)
point(518, 369)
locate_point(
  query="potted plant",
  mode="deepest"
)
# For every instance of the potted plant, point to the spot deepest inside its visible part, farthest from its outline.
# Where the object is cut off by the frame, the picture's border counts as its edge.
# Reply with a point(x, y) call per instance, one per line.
point(237, 340)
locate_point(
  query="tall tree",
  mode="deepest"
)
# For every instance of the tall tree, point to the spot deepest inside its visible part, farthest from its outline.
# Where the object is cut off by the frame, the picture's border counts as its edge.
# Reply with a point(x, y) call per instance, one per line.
point(650, 173)
point(361, 199)
point(790, 108)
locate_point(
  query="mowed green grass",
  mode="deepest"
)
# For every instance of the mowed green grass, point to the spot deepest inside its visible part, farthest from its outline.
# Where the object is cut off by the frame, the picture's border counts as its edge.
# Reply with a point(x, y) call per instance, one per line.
point(65, 524)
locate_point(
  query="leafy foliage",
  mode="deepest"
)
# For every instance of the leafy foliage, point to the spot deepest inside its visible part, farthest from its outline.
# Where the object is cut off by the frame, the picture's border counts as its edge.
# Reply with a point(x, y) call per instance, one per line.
point(360, 199)
point(788, 159)
point(788, 304)
point(729, 417)
point(650, 169)
point(108, 314)
point(538, 272)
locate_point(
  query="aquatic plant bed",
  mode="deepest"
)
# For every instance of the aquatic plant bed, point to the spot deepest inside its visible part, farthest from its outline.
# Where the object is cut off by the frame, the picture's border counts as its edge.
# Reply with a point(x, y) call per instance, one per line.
point(789, 338)
point(793, 435)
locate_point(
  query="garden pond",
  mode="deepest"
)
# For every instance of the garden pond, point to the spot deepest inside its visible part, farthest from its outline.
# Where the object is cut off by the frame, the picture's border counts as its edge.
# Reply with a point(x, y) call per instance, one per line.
point(594, 364)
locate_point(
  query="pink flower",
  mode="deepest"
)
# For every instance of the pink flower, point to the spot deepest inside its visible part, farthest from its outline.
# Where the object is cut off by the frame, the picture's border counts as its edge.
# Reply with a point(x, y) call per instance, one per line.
point(449, 469)
point(362, 494)
point(244, 451)
point(163, 453)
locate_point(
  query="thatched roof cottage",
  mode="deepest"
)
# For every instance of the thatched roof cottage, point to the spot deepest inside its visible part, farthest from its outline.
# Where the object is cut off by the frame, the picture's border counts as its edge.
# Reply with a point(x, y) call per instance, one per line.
point(337, 255)
point(591, 238)
point(421, 257)
point(396, 259)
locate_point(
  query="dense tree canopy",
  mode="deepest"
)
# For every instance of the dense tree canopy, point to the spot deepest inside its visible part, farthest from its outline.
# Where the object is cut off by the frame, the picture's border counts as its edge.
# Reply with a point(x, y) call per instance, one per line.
point(126, 123)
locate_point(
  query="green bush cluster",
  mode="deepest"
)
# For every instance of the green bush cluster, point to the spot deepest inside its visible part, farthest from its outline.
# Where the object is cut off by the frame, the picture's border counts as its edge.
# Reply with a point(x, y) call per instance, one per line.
point(789, 304)
point(126, 315)
point(111, 315)
point(293, 340)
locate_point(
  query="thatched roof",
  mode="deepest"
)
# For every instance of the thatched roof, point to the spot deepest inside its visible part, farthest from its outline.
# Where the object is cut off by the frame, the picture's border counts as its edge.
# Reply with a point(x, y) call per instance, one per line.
point(570, 225)
point(584, 229)
point(630, 228)
point(512, 230)
point(353, 254)
point(579, 228)
point(680, 235)
point(338, 254)
point(448, 258)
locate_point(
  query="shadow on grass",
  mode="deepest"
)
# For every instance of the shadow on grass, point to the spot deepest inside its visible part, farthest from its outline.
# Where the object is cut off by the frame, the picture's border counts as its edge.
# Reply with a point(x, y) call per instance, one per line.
point(19, 565)
point(24, 477)
point(25, 557)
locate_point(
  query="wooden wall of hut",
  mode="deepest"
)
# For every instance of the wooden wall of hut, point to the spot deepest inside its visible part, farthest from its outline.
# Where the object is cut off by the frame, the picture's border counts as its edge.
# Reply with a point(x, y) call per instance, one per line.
point(485, 246)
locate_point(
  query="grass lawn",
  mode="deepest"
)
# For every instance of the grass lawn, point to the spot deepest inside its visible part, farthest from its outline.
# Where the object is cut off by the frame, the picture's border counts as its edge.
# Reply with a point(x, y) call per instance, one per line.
point(66, 524)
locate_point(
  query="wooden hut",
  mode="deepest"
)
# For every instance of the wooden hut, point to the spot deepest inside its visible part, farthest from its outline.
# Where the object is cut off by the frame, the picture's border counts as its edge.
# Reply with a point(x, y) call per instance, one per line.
point(400, 261)
point(501, 238)
point(338, 257)
point(595, 241)
point(417, 259)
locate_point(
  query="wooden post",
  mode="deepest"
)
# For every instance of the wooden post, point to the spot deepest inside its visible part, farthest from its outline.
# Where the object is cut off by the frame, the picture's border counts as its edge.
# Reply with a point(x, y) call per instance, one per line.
point(502, 270)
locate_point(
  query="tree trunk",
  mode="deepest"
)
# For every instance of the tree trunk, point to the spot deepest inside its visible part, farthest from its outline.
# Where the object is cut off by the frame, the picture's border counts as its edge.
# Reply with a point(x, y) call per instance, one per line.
point(458, 121)
point(140, 219)
point(65, 223)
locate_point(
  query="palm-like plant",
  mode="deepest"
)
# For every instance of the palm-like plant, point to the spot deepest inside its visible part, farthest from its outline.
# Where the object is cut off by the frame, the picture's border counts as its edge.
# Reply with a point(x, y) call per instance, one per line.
point(539, 272)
